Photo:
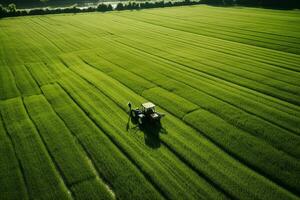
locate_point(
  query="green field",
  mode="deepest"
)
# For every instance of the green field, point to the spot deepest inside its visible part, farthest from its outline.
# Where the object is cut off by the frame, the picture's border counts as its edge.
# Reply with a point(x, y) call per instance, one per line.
point(228, 80)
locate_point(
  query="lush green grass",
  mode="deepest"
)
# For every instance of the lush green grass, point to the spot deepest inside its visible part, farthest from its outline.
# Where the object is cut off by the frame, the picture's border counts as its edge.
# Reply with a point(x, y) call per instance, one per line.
point(226, 78)
point(11, 180)
point(41, 177)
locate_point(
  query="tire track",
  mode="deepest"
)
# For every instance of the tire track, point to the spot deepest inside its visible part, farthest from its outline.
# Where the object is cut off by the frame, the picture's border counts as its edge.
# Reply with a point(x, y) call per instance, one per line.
point(121, 149)
point(262, 46)
point(183, 160)
point(87, 155)
point(224, 118)
point(198, 24)
point(241, 108)
point(16, 156)
point(216, 48)
point(228, 152)
point(58, 170)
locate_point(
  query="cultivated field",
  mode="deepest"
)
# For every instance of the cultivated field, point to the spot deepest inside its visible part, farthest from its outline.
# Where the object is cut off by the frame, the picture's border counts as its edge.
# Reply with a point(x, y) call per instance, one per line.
point(228, 80)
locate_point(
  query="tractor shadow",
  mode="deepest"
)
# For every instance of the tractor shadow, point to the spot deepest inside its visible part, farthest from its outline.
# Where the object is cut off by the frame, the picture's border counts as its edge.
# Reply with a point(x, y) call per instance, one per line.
point(151, 131)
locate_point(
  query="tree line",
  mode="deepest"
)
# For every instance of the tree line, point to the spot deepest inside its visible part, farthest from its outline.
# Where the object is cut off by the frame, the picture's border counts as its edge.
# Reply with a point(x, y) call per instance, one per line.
point(11, 10)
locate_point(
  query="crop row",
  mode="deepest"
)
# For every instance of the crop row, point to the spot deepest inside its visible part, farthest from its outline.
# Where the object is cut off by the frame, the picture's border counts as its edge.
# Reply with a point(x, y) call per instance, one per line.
point(219, 32)
point(62, 147)
point(184, 56)
point(11, 177)
point(206, 23)
point(124, 178)
point(70, 163)
point(174, 176)
point(119, 94)
point(117, 24)
point(41, 177)
point(291, 181)
point(152, 50)
point(242, 17)
point(8, 88)
point(222, 135)
point(203, 80)
point(90, 138)
point(206, 86)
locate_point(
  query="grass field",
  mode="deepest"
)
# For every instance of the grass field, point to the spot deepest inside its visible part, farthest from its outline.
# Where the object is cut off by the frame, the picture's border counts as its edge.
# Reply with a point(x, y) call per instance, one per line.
point(228, 80)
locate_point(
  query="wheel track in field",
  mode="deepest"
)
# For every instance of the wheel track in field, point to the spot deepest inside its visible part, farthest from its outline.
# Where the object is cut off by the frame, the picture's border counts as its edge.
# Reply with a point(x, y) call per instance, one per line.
point(243, 29)
point(230, 71)
point(193, 44)
point(227, 29)
point(87, 155)
point(235, 19)
point(263, 118)
point(44, 36)
point(121, 149)
point(92, 166)
point(245, 163)
point(232, 40)
point(197, 90)
point(77, 29)
point(38, 84)
point(50, 168)
point(16, 156)
point(214, 49)
point(294, 91)
point(52, 158)
point(223, 50)
point(57, 169)
point(43, 27)
point(69, 95)
point(185, 41)
point(101, 29)
point(181, 158)
point(145, 173)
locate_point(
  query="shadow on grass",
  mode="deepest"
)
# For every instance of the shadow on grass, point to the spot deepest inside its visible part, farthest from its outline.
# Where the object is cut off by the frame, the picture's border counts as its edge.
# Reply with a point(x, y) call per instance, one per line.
point(151, 131)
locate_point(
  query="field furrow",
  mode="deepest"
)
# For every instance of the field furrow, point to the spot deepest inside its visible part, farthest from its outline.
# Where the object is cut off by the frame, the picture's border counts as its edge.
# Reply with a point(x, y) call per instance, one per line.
point(199, 83)
point(41, 177)
point(11, 177)
point(178, 176)
point(172, 141)
point(62, 147)
point(209, 103)
point(221, 34)
point(130, 183)
point(225, 80)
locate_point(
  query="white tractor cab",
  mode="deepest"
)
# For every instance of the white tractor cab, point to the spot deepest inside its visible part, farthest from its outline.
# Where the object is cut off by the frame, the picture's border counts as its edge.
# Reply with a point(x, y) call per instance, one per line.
point(146, 113)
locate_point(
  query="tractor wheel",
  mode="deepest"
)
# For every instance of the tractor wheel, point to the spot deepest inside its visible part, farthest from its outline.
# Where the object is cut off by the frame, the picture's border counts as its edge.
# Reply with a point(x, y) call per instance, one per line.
point(133, 114)
point(140, 121)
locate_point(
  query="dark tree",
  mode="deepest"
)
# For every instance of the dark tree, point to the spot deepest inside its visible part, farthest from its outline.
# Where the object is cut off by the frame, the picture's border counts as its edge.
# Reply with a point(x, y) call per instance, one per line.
point(102, 7)
point(120, 6)
point(109, 7)
point(3, 11)
point(12, 8)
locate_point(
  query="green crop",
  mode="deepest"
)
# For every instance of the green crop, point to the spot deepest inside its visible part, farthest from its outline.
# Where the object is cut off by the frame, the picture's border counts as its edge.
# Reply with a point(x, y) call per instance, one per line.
point(227, 80)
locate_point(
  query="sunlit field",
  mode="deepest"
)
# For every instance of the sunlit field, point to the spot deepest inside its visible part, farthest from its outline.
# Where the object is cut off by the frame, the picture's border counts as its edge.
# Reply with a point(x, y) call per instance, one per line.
point(227, 80)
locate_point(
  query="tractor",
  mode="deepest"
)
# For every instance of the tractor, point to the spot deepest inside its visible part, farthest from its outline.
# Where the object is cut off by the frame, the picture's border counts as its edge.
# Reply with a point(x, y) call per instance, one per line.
point(145, 114)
